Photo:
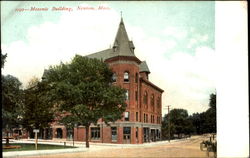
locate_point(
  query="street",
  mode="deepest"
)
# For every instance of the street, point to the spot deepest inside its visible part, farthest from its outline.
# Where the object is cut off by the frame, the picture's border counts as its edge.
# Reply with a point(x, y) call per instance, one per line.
point(182, 148)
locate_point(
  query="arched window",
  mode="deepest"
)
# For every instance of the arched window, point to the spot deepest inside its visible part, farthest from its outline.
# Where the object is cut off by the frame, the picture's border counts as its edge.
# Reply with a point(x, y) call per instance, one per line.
point(114, 77)
point(145, 98)
point(126, 76)
point(152, 100)
point(136, 78)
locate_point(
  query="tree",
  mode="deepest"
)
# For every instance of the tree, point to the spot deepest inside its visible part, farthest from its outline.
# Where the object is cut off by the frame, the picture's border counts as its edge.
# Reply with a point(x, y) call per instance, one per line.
point(211, 113)
point(205, 122)
point(11, 102)
point(196, 121)
point(180, 123)
point(38, 110)
point(83, 88)
point(166, 128)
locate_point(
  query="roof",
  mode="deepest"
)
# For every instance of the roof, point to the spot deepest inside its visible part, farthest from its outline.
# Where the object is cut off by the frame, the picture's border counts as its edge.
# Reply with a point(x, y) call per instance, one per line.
point(102, 55)
point(122, 47)
point(151, 84)
point(144, 67)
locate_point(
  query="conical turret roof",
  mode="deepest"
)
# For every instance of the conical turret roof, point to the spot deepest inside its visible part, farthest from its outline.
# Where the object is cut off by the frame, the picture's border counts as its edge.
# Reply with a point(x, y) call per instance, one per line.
point(122, 46)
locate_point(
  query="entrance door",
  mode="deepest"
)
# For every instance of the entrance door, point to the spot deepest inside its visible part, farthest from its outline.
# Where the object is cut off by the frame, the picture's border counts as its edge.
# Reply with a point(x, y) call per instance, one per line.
point(146, 134)
point(59, 133)
point(153, 136)
point(69, 134)
point(126, 135)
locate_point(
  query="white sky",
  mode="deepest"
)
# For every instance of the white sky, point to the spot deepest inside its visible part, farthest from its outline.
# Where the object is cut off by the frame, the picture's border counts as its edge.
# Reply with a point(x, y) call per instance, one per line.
point(179, 48)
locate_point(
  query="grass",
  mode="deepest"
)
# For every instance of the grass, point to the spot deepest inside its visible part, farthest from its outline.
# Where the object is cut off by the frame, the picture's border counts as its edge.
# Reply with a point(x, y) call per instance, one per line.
point(25, 147)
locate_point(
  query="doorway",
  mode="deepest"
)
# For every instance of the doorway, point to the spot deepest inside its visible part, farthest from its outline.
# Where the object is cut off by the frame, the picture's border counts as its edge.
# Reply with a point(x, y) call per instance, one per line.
point(146, 134)
point(126, 135)
point(59, 133)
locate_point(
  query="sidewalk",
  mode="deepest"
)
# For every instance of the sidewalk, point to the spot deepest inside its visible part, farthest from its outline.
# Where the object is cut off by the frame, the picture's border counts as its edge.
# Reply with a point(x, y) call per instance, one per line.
point(80, 147)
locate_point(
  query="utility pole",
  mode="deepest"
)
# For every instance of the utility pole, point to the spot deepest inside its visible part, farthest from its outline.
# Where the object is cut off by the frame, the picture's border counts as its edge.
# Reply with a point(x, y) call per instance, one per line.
point(168, 124)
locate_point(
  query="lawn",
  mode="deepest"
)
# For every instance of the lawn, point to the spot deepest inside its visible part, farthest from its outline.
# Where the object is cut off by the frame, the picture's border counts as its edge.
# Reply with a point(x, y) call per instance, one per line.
point(25, 147)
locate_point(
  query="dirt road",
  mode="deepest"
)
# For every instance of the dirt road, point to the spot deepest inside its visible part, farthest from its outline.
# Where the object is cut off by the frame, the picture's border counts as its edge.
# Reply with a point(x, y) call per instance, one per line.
point(183, 148)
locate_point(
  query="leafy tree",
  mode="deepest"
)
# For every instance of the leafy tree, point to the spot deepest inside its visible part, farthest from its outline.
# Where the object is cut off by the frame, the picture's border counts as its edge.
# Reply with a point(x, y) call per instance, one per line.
point(205, 122)
point(211, 114)
point(212, 101)
point(84, 89)
point(166, 128)
point(38, 110)
point(180, 123)
point(196, 121)
point(11, 102)
point(11, 99)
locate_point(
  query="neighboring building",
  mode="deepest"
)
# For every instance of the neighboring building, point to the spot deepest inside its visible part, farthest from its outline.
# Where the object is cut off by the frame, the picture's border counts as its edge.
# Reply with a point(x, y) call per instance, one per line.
point(142, 119)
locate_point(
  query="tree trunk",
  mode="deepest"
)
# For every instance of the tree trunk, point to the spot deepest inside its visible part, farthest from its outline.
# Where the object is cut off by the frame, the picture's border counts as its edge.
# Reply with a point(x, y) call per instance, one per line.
point(7, 139)
point(73, 136)
point(87, 136)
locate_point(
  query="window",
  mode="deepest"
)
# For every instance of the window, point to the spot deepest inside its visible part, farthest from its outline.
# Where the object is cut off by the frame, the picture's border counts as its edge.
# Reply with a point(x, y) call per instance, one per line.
point(152, 101)
point(126, 116)
point(126, 130)
point(140, 117)
point(158, 102)
point(136, 116)
point(114, 77)
point(113, 133)
point(145, 98)
point(136, 133)
point(136, 95)
point(126, 133)
point(95, 133)
point(136, 78)
point(147, 118)
point(144, 117)
point(127, 95)
point(126, 76)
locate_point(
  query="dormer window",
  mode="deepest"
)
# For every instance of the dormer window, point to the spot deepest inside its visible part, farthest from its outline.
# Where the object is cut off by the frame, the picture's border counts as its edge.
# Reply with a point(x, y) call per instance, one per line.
point(115, 46)
point(132, 47)
point(126, 76)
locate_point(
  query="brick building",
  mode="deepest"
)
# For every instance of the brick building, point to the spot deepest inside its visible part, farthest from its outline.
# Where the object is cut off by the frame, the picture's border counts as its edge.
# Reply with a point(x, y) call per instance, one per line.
point(142, 119)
